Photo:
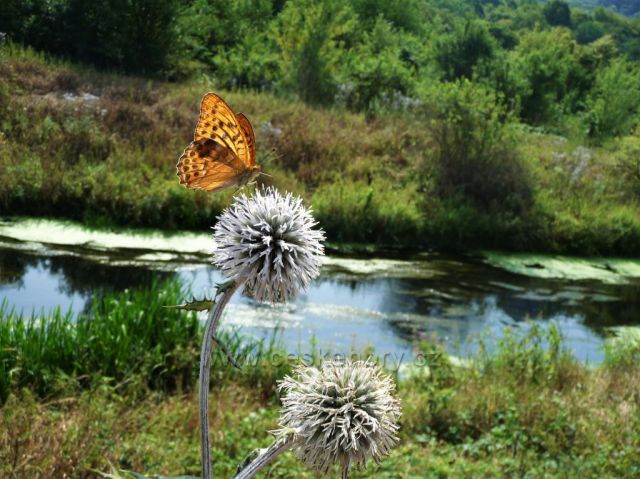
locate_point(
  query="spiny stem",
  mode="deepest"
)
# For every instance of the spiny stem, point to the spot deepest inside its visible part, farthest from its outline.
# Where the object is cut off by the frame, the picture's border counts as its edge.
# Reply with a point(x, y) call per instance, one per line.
point(265, 457)
point(224, 293)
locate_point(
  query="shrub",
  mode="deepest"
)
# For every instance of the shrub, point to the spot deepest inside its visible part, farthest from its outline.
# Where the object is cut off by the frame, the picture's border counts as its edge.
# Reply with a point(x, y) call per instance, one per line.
point(557, 13)
point(614, 102)
point(230, 40)
point(588, 31)
point(310, 37)
point(552, 78)
point(378, 74)
point(476, 152)
point(460, 52)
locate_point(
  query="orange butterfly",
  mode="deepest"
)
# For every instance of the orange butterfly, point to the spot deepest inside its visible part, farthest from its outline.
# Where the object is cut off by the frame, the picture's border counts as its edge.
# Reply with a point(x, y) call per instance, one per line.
point(223, 151)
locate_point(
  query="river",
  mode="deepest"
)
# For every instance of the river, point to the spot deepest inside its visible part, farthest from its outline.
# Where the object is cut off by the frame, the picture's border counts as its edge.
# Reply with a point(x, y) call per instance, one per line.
point(386, 303)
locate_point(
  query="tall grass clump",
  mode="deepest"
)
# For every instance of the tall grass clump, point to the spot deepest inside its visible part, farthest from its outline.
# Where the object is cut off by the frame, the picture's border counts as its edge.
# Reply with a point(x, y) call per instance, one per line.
point(121, 334)
point(126, 337)
point(535, 356)
point(622, 351)
point(375, 213)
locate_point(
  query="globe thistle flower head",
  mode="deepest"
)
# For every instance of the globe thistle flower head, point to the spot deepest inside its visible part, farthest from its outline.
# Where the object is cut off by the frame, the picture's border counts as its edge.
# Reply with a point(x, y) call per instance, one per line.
point(341, 413)
point(269, 239)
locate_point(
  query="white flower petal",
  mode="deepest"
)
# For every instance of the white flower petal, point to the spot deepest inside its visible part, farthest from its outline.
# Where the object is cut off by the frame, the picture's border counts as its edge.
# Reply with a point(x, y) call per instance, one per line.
point(270, 239)
point(342, 412)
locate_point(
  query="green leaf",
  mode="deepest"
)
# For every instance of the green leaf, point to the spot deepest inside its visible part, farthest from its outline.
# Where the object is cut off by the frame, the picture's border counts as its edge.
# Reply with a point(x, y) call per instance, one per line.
point(194, 305)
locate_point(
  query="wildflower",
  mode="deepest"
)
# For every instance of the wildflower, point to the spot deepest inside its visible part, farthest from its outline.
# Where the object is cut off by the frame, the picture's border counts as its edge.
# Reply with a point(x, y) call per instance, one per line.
point(340, 413)
point(269, 239)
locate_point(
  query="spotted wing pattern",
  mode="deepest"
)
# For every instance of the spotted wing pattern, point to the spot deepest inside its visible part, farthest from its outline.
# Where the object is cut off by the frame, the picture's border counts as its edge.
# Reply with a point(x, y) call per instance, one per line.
point(207, 165)
point(220, 154)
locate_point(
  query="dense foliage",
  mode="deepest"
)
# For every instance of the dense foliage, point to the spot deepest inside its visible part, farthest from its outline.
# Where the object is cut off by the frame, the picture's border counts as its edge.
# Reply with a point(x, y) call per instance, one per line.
point(542, 59)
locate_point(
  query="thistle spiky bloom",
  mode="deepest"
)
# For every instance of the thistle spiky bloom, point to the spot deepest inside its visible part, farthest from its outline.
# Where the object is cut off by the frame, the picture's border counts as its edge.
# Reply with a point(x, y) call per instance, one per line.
point(269, 239)
point(340, 413)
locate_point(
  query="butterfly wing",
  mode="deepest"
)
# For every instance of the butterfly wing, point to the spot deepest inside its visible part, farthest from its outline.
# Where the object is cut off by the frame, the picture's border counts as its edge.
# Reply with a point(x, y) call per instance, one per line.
point(247, 130)
point(210, 166)
point(219, 156)
point(219, 123)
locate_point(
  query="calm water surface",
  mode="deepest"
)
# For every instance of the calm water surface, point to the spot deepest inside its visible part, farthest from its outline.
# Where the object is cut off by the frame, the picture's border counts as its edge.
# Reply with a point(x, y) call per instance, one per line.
point(385, 303)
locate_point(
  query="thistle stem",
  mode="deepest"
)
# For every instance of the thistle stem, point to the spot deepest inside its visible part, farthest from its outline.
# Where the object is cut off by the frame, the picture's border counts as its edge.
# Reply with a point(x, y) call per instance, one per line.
point(265, 457)
point(223, 296)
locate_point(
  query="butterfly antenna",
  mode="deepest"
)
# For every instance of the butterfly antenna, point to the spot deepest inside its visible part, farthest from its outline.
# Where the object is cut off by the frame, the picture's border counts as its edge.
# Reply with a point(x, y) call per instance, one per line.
point(274, 155)
point(262, 173)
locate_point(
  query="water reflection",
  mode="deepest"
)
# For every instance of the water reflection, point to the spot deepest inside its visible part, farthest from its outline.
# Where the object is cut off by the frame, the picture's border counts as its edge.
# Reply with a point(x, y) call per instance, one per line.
point(349, 308)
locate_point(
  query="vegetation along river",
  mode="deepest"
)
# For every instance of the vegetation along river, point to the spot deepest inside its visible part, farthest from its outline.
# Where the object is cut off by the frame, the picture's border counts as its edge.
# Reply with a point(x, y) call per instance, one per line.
point(386, 303)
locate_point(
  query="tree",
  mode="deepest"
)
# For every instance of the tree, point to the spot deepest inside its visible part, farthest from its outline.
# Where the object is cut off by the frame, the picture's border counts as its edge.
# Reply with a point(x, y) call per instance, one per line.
point(313, 40)
point(614, 103)
point(380, 68)
point(547, 69)
point(558, 13)
point(625, 7)
point(461, 51)
point(589, 31)
point(136, 36)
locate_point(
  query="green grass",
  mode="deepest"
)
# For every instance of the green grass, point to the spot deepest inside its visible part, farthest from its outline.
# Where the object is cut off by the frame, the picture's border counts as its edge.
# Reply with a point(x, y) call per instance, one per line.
point(448, 176)
point(123, 337)
point(113, 390)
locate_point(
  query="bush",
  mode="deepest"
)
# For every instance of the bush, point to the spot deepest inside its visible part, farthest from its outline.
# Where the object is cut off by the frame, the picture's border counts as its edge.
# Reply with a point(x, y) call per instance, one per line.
point(548, 68)
point(378, 72)
point(230, 40)
point(460, 52)
point(614, 102)
point(557, 13)
point(476, 152)
point(311, 37)
point(588, 31)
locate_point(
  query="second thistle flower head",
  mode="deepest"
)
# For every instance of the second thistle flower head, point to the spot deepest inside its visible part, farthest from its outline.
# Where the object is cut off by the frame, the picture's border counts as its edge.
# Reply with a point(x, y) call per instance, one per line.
point(269, 239)
point(341, 413)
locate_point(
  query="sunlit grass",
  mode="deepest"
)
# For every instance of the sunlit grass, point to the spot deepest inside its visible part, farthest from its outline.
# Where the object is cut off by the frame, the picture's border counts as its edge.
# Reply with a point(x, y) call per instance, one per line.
point(378, 179)
point(124, 337)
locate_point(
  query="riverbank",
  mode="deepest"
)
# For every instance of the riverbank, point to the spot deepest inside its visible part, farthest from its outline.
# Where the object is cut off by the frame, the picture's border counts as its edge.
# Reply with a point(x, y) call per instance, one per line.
point(357, 302)
point(115, 392)
point(99, 148)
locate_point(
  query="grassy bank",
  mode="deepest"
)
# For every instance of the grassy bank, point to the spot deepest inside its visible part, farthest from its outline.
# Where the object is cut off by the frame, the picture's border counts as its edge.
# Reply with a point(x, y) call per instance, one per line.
point(448, 175)
point(113, 390)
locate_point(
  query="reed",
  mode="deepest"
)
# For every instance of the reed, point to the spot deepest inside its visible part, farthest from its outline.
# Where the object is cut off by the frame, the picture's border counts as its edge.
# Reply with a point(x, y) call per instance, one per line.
point(123, 336)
